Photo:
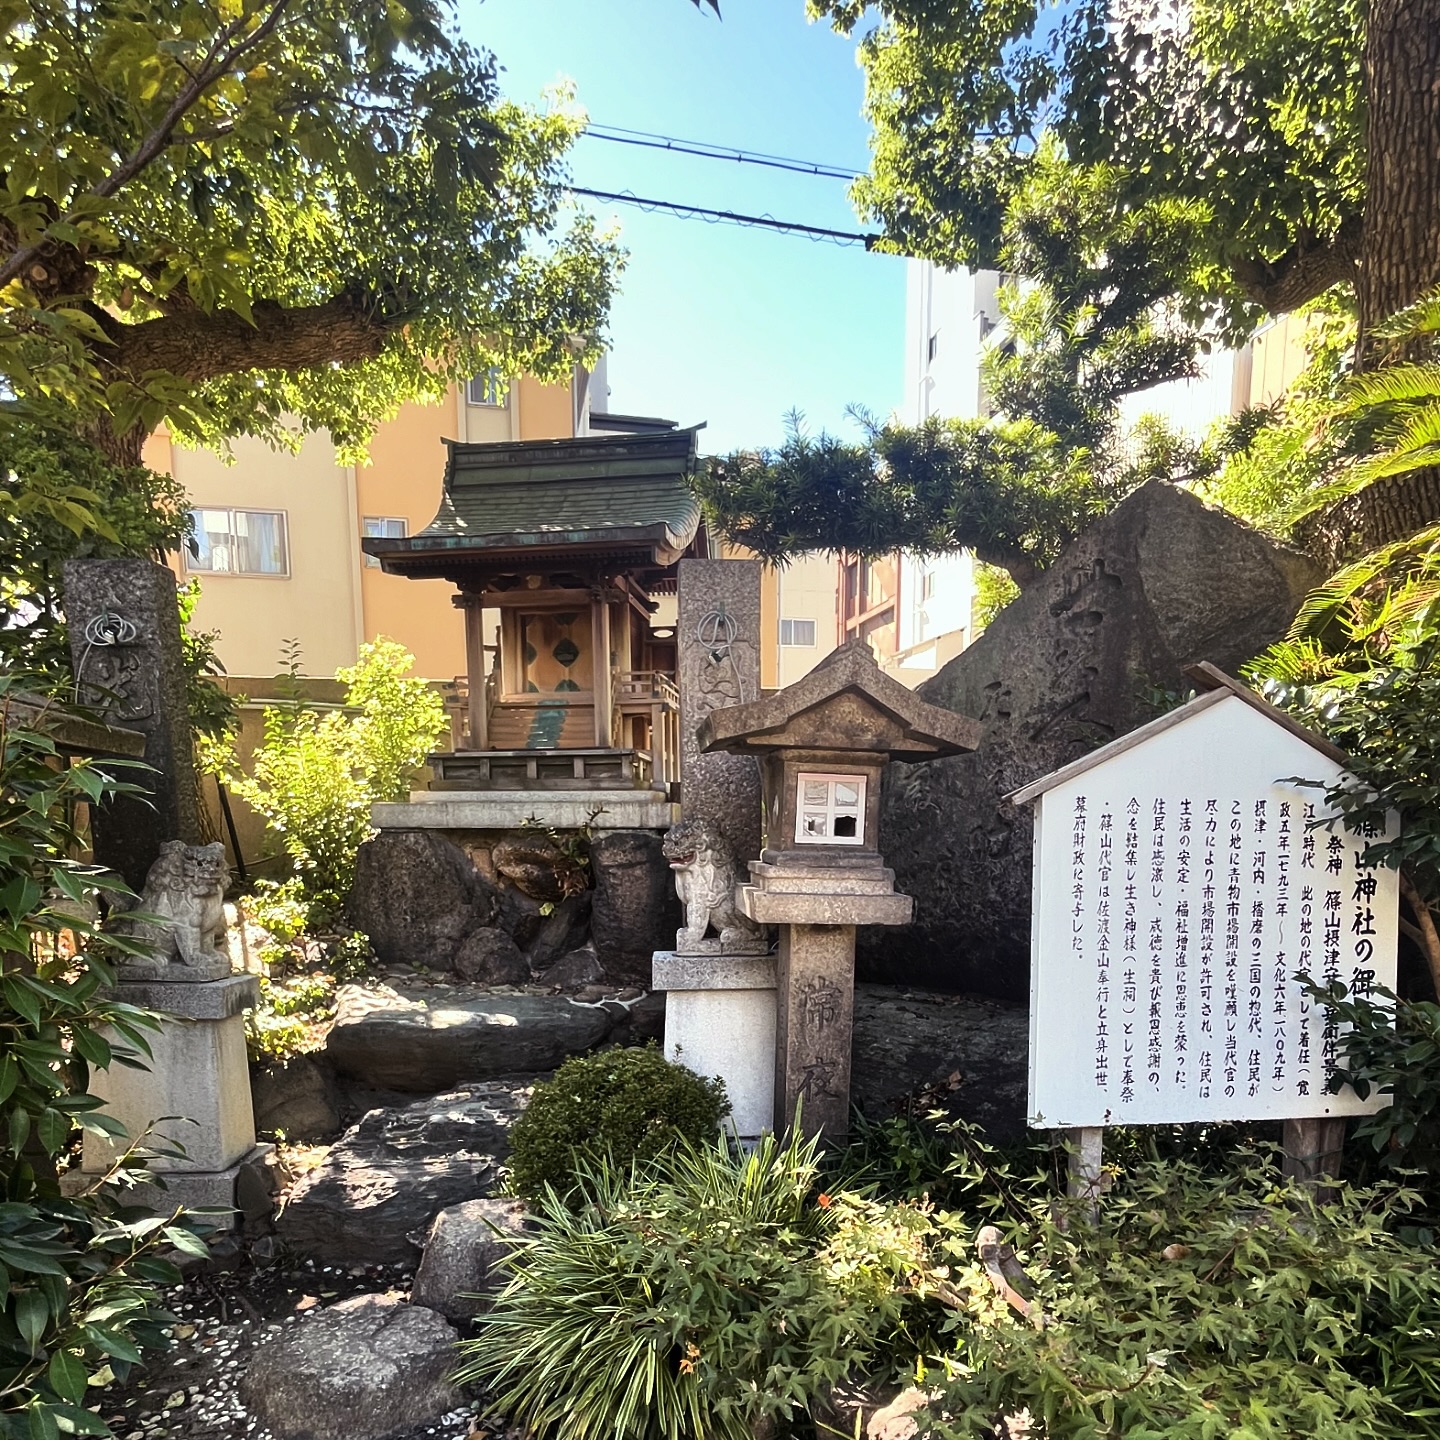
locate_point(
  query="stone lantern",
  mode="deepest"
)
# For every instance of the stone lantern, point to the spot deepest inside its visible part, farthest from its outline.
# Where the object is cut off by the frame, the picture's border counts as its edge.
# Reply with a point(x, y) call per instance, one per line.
point(823, 744)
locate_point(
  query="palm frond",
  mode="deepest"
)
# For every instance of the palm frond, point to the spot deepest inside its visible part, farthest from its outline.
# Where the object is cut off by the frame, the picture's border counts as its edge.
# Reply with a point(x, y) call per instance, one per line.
point(1420, 318)
point(1323, 604)
point(1395, 384)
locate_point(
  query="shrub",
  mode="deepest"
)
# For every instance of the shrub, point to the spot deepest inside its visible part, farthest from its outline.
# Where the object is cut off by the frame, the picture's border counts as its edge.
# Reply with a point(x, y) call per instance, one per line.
point(625, 1105)
point(78, 1276)
point(316, 774)
point(695, 1297)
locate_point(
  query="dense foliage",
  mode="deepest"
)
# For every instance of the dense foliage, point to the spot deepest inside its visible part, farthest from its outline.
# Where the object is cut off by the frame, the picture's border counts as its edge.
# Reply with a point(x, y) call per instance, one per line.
point(317, 772)
point(1242, 132)
point(1392, 1047)
point(79, 1276)
point(233, 216)
point(697, 1297)
point(611, 1108)
point(713, 1293)
point(1207, 1304)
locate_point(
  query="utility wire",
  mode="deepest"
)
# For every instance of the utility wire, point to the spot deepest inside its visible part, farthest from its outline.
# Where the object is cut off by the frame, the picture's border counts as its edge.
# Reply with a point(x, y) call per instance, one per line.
point(732, 217)
point(708, 151)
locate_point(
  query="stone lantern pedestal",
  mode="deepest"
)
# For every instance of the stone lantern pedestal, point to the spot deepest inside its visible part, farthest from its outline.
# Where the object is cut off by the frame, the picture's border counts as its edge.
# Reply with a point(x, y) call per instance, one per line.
point(824, 743)
point(817, 908)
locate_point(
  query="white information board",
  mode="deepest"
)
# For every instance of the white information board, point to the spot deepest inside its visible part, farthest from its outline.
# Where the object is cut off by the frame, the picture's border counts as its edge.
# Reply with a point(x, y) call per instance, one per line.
point(1180, 884)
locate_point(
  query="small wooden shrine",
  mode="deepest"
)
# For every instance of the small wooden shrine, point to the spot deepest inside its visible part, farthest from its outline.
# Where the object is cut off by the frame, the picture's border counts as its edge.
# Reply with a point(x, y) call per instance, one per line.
point(568, 543)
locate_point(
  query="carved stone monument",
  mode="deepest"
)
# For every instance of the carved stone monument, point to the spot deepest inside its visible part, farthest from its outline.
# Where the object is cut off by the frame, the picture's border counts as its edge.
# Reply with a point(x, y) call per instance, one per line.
point(718, 642)
point(194, 1094)
point(825, 742)
point(124, 625)
point(1161, 582)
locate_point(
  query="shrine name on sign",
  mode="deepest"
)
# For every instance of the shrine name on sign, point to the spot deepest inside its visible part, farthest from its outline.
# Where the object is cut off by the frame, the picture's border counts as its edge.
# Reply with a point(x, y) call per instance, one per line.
point(1183, 878)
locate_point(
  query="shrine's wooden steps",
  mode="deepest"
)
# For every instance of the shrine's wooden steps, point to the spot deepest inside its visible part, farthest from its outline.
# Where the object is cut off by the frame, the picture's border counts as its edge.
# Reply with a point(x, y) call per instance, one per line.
point(542, 726)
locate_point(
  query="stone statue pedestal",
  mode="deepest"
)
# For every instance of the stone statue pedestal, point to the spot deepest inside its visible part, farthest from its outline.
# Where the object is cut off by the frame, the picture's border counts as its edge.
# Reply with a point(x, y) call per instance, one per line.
point(197, 1071)
point(720, 1020)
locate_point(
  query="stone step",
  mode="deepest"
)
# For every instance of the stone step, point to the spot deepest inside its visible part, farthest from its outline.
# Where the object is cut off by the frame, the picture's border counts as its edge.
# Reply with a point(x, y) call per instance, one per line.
point(424, 1041)
point(374, 1195)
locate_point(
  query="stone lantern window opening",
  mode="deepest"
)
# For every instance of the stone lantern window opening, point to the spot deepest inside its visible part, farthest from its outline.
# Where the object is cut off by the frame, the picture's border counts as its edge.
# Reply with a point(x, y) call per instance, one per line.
point(831, 809)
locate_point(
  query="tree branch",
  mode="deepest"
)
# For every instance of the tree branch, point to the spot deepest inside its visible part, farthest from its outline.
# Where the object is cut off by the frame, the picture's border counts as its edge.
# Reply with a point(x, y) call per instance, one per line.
point(1303, 272)
point(200, 346)
point(219, 60)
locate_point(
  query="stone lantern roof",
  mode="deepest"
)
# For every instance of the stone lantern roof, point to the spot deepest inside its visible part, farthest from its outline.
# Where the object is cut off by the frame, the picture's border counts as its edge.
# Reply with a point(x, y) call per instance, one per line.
point(845, 703)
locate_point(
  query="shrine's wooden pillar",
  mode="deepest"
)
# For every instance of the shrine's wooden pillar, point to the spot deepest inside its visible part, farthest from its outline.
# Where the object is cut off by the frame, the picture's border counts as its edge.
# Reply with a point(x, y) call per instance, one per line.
point(604, 698)
point(479, 716)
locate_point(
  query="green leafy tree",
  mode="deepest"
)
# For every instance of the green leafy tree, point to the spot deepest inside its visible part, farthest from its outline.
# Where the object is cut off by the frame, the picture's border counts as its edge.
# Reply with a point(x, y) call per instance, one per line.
point(1281, 150)
point(400, 717)
point(240, 216)
point(1010, 491)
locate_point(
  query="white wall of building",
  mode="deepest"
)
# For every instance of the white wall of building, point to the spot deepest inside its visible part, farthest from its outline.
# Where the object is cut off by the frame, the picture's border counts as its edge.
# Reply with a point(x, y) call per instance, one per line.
point(1192, 406)
point(949, 315)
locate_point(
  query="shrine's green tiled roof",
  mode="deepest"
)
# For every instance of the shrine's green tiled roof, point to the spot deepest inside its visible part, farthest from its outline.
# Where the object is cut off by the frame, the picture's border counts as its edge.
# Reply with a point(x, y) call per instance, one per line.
point(625, 493)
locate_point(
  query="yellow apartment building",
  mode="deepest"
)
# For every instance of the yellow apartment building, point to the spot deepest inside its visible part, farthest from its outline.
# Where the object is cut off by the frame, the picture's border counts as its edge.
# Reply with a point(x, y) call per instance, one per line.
point(278, 534)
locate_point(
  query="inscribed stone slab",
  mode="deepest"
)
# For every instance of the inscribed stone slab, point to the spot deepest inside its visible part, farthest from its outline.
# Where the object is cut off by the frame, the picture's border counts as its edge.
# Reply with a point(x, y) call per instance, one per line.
point(124, 623)
point(718, 643)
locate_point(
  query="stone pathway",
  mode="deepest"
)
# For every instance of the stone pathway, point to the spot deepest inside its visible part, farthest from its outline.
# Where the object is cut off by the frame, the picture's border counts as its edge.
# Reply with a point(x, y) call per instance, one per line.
point(192, 1392)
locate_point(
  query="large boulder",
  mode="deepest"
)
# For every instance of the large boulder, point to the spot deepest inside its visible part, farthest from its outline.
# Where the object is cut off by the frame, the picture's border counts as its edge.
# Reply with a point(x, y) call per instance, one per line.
point(635, 910)
point(1161, 583)
point(417, 896)
point(372, 1198)
point(364, 1369)
point(425, 1041)
point(296, 1098)
point(461, 1268)
point(537, 865)
point(576, 970)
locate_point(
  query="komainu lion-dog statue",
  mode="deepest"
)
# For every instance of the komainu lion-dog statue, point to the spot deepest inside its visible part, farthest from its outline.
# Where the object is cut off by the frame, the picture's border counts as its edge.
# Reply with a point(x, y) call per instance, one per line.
point(705, 879)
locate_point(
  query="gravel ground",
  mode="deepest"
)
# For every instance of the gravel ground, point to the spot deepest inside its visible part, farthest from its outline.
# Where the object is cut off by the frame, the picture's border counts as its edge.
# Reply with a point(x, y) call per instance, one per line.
point(190, 1392)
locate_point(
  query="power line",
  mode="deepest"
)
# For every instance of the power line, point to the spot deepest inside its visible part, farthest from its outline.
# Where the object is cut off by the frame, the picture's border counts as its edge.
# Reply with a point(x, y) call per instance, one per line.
point(732, 217)
point(708, 151)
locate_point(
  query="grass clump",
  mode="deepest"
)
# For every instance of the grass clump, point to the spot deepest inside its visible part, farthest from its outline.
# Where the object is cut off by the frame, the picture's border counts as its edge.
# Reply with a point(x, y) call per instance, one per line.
point(695, 1296)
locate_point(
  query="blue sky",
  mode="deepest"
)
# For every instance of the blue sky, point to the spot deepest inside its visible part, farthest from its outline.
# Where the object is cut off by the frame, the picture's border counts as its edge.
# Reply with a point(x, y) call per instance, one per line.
point(730, 326)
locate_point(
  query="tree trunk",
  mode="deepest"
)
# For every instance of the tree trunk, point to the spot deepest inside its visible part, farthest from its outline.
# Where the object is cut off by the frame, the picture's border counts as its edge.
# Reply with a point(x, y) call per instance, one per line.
point(1400, 256)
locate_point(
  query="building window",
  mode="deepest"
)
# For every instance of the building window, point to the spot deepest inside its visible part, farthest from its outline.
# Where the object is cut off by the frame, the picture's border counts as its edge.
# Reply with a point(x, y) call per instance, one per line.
point(383, 527)
point(486, 389)
point(797, 632)
point(829, 809)
point(927, 586)
point(933, 349)
point(239, 542)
